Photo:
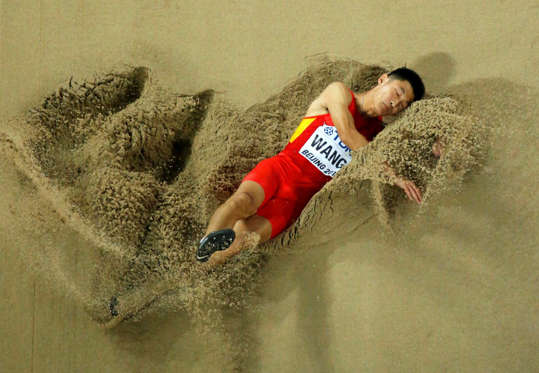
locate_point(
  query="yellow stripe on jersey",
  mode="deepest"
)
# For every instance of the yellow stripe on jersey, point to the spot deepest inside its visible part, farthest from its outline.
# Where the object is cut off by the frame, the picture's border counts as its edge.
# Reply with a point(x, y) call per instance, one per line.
point(304, 124)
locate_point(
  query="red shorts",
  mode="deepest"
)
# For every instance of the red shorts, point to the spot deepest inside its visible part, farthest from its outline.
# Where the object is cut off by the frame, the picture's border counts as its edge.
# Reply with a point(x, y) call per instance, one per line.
point(287, 191)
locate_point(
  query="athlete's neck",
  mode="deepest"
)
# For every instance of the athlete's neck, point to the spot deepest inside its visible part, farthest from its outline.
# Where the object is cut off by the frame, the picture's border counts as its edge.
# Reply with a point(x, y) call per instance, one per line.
point(365, 105)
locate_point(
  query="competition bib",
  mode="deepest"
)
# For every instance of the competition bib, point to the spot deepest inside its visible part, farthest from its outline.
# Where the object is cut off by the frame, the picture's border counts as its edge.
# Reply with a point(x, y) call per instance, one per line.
point(325, 150)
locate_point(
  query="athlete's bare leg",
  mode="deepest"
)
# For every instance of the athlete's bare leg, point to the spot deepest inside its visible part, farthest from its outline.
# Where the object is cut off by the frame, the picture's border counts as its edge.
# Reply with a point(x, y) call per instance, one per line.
point(241, 205)
point(254, 227)
point(238, 213)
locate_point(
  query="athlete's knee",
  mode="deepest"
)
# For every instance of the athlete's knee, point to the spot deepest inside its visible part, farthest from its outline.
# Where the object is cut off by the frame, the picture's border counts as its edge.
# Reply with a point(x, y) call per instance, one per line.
point(240, 226)
point(243, 203)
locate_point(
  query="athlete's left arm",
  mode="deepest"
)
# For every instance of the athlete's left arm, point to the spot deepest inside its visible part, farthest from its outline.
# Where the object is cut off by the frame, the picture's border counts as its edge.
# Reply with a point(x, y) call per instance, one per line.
point(336, 97)
point(412, 191)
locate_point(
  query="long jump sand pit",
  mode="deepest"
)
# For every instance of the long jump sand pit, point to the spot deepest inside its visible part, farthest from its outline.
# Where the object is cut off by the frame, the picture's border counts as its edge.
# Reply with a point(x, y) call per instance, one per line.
point(136, 171)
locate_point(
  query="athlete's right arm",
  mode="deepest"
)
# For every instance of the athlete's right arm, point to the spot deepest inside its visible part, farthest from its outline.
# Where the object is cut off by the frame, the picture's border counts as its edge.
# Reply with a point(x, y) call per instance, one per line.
point(336, 98)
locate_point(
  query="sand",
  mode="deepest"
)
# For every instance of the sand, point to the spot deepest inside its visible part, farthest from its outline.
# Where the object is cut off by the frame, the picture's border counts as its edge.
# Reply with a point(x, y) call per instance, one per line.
point(110, 180)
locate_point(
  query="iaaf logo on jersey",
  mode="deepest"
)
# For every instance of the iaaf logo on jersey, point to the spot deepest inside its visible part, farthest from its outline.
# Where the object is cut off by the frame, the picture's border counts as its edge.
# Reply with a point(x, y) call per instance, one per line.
point(328, 130)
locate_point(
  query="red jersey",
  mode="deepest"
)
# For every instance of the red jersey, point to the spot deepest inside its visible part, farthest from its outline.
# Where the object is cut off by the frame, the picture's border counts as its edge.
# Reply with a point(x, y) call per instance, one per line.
point(315, 146)
point(311, 158)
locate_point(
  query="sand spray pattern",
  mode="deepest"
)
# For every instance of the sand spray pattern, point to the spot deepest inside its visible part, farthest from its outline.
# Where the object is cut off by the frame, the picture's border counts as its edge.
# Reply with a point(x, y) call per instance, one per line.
point(137, 170)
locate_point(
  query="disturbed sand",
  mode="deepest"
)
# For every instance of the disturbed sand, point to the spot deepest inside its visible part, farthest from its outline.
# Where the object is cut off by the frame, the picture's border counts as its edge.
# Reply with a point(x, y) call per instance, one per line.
point(138, 171)
point(90, 212)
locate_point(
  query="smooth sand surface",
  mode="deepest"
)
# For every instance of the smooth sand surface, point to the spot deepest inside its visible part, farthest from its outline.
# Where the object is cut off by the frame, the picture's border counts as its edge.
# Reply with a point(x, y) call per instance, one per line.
point(457, 294)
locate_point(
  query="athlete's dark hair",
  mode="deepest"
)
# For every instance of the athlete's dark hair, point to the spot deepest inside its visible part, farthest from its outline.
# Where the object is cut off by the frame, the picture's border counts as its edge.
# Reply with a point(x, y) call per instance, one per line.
point(404, 73)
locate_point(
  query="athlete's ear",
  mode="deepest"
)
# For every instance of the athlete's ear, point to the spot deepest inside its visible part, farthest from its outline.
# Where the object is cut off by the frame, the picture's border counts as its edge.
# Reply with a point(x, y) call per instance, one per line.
point(383, 78)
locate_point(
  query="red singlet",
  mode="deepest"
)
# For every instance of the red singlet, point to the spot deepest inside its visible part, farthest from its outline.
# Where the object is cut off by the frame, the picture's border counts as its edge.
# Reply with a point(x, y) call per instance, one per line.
point(312, 157)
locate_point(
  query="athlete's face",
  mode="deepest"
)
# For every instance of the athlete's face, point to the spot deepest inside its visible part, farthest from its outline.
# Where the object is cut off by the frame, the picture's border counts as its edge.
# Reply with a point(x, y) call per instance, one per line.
point(392, 95)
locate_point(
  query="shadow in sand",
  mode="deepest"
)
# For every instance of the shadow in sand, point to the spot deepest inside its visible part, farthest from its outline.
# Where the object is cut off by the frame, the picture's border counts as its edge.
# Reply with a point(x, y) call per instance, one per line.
point(312, 311)
point(436, 69)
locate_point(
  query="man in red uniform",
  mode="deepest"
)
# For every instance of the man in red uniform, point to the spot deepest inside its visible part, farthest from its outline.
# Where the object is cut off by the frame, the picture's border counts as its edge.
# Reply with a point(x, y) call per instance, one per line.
point(273, 194)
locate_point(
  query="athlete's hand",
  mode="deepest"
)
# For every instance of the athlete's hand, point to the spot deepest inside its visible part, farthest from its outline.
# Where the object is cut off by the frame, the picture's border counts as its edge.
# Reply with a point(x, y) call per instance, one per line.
point(411, 190)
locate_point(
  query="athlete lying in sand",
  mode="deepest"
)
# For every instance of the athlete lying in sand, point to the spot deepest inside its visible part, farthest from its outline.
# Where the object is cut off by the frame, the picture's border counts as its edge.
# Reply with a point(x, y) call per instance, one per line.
point(273, 194)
